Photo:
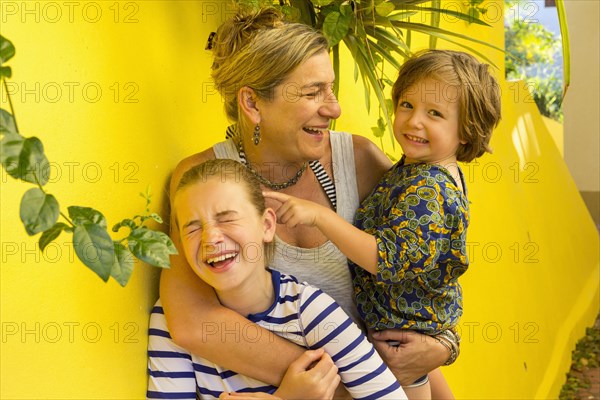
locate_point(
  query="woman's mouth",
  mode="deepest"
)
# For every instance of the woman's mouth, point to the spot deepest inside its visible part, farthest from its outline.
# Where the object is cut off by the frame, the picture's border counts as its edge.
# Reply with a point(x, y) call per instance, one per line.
point(313, 131)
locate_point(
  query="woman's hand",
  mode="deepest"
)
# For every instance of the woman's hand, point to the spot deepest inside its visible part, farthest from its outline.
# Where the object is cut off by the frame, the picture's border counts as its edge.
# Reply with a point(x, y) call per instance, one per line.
point(303, 380)
point(414, 355)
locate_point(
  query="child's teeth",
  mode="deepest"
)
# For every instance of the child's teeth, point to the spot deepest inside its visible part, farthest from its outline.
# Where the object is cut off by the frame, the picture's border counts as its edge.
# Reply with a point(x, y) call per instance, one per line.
point(220, 258)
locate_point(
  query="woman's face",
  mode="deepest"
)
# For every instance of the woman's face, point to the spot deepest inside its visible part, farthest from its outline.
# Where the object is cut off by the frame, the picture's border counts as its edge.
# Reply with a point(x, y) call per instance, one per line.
point(294, 124)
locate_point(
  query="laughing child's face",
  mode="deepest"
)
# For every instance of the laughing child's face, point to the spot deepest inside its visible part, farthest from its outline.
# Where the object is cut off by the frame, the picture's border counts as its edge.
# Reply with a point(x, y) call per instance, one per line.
point(426, 122)
point(222, 233)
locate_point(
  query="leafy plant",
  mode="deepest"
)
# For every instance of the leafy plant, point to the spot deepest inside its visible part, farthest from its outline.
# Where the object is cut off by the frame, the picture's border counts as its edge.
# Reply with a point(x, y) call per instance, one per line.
point(531, 51)
point(24, 159)
point(378, 35)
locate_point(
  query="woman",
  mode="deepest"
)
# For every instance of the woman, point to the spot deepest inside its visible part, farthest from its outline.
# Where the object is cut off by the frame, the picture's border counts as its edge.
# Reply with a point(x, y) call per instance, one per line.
point(276, 80)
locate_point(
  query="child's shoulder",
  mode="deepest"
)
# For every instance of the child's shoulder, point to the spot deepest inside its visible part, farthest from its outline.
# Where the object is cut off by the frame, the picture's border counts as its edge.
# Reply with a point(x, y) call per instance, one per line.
point(289, 286)
point(431, 174)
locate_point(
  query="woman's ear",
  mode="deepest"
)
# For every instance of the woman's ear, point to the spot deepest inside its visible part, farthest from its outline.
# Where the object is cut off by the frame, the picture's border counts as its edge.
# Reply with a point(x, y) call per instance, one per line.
point(270, 223)
point(248, 105)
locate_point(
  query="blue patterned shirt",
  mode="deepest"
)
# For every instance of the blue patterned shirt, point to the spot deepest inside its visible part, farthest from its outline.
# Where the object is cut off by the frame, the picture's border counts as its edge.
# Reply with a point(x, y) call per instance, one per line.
point(419, 218)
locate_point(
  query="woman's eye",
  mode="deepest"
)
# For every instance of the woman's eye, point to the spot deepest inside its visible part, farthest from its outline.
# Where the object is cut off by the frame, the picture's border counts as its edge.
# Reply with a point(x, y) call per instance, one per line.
point(435, 113)
point(405, 104)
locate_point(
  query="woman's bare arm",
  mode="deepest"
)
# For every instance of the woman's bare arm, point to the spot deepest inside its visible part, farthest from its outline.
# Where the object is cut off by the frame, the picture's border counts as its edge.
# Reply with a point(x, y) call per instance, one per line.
point(199, 323)
point(370, 162)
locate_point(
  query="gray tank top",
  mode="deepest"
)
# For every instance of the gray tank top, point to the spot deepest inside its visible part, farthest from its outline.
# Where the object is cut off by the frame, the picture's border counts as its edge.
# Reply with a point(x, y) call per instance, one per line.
point(325, 266)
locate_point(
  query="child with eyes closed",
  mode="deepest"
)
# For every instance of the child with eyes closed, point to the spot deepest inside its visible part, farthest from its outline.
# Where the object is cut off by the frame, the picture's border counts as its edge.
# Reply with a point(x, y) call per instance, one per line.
point(227, 237)
point(408, 246)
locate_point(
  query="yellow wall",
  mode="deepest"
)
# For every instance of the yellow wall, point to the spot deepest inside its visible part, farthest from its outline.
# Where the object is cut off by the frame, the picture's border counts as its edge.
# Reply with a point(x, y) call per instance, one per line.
point(68, 335)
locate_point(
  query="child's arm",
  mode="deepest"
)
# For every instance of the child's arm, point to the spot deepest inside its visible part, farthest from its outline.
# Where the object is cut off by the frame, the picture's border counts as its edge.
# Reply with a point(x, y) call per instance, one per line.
point(358, 246)
point(325, 325)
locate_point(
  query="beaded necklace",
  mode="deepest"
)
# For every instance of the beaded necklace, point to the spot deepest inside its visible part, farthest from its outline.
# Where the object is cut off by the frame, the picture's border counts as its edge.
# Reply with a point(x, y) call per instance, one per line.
point(265, 181)
point(316, 166)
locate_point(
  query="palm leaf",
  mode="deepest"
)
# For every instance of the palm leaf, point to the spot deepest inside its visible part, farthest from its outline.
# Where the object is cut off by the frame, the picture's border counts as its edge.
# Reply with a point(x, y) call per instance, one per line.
point(566, 47)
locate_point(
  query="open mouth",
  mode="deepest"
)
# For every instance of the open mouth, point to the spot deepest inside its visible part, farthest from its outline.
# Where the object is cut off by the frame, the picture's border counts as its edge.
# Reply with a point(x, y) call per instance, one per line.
point(416, 139)
point(220, 260)
point(313, 131)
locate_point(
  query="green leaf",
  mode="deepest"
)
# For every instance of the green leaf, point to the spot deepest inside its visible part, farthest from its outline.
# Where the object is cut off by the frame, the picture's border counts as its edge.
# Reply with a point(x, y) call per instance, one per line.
point(126, 222)
point(566, 46)
point(86, 215)
point(377, 132)
point(95, 248)
point(384, 53)
point(152, 247)
point(441, 10)
point(322, 3)
point(50, 234)
point(335, 27)
point(431, 30)
point(307, 12)
point(384, 9)
point(381, 124)
point(402, 15)
point(39, 211)
point(122, 267)
point(5, 72)
point(156, 217)
point(24, 158)
point(7, 50)
point(435, 21)
point(346, 9)
point(361, 56)
point(7, 123)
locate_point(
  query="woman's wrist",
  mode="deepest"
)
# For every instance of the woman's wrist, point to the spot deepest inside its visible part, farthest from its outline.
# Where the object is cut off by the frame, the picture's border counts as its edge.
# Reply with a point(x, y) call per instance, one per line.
point(450, 339)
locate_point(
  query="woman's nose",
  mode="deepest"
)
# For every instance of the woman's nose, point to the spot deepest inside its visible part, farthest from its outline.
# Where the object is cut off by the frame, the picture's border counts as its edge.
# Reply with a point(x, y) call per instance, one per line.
point(331, 108)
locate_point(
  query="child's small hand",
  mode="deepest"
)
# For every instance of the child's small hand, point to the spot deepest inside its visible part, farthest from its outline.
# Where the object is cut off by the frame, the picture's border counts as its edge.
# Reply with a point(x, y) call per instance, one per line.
point(312, 376)
point(294, 211)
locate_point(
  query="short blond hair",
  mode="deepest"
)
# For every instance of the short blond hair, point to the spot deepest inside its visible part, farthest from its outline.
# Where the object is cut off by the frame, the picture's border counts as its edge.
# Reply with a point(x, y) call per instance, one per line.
point(259, 50)
point(478, 94)
point(230, 171)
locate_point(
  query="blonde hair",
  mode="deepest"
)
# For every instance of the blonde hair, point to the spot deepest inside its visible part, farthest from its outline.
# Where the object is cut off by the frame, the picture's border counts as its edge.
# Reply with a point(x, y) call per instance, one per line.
point(230, 171)
point(478, 94)
point(259, 50)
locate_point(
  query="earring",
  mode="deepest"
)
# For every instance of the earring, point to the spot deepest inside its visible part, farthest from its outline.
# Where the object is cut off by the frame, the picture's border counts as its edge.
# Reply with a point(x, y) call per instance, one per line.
point(256, 135)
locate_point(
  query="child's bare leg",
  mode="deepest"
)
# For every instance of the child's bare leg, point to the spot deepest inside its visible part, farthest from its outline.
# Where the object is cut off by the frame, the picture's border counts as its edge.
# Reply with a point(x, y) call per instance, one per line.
point(440, 390)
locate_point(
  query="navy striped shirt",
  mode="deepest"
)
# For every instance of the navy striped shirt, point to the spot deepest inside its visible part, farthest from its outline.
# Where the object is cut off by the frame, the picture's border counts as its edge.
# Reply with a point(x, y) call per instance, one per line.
point(300, 313)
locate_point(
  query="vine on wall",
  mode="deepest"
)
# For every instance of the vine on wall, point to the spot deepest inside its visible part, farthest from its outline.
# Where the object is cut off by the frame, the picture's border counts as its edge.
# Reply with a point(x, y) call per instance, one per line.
point(23, 158)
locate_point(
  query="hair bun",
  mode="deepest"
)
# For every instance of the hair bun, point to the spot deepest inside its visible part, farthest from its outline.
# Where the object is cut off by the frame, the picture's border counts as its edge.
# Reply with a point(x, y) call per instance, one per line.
point(241, 29)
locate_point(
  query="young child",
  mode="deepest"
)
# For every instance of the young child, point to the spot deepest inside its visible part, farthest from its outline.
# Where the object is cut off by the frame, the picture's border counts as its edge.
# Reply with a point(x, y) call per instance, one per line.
point(408, 248)
point(227, 237)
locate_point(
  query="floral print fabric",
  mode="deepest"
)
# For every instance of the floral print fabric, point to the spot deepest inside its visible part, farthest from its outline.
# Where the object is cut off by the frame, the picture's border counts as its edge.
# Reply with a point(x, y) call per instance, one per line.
point(419, 218)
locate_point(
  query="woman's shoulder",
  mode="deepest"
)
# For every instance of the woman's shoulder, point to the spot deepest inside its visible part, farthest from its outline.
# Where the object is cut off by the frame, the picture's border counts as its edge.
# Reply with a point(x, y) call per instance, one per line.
point(189, 162)
point(370, 163)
